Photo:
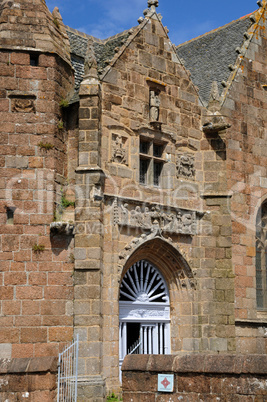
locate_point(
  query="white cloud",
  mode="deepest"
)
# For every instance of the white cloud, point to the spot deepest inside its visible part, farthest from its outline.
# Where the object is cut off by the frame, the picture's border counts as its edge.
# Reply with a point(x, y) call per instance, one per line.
point(115, 17)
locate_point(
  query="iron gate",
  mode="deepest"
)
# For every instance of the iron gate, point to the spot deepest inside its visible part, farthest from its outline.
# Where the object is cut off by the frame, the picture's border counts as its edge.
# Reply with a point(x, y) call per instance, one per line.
point(68, 373)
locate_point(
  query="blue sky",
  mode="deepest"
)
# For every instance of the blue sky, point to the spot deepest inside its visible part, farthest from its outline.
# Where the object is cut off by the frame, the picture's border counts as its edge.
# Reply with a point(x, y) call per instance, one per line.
point(185, 19)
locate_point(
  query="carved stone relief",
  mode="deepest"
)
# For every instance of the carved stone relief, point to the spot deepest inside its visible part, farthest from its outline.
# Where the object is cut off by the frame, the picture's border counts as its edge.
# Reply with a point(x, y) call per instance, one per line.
point(172, 221)
point(186, 281)
point(144, 313)
point(185, 166)
point(23, 105)
point(119, 149)
point(184, 278)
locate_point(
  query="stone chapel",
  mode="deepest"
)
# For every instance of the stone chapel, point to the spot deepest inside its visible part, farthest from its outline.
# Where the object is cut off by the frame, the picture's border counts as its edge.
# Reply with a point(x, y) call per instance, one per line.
point(133, 206)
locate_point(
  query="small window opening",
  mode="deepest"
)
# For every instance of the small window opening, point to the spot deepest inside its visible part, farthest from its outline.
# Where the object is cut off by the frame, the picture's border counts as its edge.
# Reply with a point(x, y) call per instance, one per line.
point(157, 172)
point(144, 147)
point(151, 161)
point(157, 150)
point(144, 164)
point(34, 59)
point(10, 216)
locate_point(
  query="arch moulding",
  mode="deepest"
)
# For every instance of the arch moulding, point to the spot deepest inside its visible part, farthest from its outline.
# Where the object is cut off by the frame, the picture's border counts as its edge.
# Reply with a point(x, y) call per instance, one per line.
point(162, 254)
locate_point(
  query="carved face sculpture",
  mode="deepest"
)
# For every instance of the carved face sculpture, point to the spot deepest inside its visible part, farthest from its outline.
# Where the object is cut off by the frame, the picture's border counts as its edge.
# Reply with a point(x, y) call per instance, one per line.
point(23, 105)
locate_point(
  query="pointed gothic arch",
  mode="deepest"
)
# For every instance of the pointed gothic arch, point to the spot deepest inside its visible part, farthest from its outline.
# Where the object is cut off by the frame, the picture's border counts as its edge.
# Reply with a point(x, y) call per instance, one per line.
point(160, 252)
point(144, 297)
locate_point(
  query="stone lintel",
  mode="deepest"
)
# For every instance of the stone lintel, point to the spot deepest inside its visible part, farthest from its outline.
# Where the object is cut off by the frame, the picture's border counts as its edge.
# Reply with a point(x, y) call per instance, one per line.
point(152, 81)
point(90, 170)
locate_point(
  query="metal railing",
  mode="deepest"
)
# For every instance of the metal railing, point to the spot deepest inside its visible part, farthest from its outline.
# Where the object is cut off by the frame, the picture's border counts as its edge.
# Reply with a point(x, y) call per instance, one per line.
point(135, 348)
point(68, 373)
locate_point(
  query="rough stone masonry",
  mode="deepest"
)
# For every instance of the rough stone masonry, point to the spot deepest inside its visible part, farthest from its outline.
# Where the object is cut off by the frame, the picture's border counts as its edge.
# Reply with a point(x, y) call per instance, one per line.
point(133, 210)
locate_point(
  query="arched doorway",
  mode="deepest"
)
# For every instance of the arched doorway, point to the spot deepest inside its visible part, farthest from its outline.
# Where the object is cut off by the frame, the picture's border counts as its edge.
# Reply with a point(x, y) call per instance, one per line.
point(144, 311)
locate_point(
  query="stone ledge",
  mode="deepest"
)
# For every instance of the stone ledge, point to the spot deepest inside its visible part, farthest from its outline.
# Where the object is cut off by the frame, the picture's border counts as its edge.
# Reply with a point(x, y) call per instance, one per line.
point(221, 364)
point(28, 365)
point(261, 322)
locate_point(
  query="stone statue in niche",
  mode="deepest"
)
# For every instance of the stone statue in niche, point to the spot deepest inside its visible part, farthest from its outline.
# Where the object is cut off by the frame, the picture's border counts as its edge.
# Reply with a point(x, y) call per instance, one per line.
point(119, 149)
point(185, 166)
point(174, 221)
point(23, 105)
point(154, 105)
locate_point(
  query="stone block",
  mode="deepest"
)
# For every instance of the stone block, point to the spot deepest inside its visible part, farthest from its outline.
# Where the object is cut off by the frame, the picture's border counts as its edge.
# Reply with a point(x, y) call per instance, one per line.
point(86, 292)
point(218, 344)
point(5, 350)
point(197, 383)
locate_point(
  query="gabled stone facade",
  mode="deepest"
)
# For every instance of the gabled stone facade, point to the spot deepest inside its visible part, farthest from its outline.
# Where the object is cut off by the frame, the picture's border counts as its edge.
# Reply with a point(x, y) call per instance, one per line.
point(119, 173)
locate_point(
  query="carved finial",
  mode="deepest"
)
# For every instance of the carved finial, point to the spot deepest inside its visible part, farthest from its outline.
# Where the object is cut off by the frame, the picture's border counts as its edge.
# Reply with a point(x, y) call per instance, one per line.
point(152, 4)
point(90, 63)
point(56, 14)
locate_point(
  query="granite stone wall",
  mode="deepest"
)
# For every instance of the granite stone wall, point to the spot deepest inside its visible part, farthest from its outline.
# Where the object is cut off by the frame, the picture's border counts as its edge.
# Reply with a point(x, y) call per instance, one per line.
point(36, 264)
point(196, 378)
point(28, 379)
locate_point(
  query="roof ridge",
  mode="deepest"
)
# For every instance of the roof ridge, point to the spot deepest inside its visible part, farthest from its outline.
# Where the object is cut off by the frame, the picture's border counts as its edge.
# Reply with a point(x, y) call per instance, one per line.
point(216, 29)
point(83, 34)
point(259, 14)
point(102, 41)
point(118, 34)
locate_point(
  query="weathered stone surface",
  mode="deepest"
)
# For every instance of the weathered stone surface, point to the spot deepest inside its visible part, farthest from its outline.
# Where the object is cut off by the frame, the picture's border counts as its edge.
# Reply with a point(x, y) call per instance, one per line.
point(155, 176)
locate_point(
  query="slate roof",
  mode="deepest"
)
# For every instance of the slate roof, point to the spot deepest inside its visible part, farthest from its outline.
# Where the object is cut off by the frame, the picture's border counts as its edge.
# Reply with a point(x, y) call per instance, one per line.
point(208, 56)
point(104, 51)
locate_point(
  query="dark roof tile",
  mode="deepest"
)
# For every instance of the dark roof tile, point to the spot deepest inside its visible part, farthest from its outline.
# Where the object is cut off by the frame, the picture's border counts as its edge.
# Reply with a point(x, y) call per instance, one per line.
point(208, 56)
point(104, 51)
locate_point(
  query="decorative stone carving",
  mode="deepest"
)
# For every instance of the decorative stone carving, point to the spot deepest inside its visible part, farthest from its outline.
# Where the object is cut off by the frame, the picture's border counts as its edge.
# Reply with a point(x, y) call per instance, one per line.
point(155, 219)
point(97, 192)
point(146, 313)
point(119, 149)
point(213, 123)
point(185, 166)
point(62, 228)
point(186, 280)
point(23, 105)
point(153, 4)
point(90, 63)
point(154, 105)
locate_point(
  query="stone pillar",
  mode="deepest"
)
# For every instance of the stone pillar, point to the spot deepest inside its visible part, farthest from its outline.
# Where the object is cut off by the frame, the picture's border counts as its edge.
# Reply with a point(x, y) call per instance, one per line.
point(88, 242)
point(217, 288)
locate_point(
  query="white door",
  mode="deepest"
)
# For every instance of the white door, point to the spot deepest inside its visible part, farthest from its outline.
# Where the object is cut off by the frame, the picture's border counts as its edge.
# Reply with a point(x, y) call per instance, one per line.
point(144, 311)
